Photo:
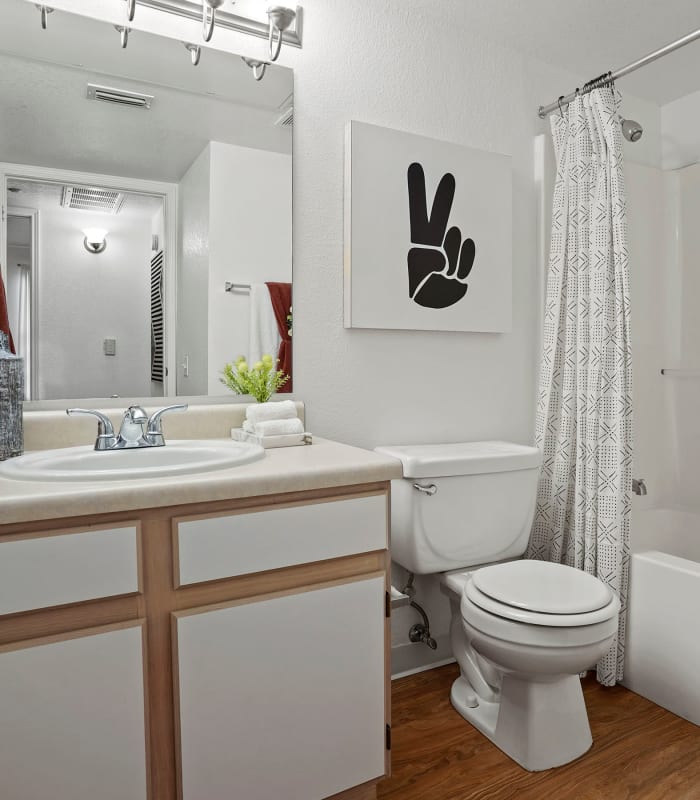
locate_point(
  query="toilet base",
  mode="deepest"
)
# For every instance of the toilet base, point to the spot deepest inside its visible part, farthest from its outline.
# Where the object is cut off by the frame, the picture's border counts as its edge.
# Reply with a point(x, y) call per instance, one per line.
point(540, 725)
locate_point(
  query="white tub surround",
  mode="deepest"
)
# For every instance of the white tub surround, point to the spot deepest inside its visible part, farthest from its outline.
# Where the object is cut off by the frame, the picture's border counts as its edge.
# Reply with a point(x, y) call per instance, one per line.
point(663, 648)
point(199, 635)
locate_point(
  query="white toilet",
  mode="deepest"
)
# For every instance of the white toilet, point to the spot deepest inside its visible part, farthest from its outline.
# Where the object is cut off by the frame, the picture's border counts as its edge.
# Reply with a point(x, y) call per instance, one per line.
point(521, 630)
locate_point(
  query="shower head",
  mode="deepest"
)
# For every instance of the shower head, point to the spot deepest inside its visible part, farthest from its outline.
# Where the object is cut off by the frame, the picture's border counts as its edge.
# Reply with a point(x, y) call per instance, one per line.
point(631, 130)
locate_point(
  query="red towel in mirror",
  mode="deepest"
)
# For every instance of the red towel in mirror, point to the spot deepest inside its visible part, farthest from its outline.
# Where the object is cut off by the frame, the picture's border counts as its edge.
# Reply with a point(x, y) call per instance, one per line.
point(4, 318)
point(281, 297)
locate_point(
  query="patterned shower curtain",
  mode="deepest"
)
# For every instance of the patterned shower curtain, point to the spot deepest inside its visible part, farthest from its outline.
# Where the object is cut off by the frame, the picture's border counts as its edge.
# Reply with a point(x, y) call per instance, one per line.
point(584, 408)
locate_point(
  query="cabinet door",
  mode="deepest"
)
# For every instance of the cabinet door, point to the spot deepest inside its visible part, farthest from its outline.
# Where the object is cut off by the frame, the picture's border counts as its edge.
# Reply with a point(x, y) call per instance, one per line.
point(283, 697)
point(72, 718)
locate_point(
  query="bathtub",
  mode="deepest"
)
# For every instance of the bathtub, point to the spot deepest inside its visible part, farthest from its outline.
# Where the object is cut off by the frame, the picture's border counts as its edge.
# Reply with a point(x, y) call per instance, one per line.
point(662, 659)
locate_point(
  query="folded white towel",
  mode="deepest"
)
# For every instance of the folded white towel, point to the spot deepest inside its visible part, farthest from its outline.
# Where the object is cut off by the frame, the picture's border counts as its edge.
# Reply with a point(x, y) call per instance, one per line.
point(248, 427)
point(278, 427)
point(260, 412)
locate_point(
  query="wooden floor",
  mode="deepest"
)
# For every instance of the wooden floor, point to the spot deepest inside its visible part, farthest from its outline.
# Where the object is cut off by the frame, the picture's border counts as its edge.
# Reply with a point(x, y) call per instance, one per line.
point(640, 751)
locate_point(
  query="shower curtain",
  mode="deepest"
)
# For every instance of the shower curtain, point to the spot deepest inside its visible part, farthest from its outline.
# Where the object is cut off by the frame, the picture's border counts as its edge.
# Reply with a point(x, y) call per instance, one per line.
point(584, 407)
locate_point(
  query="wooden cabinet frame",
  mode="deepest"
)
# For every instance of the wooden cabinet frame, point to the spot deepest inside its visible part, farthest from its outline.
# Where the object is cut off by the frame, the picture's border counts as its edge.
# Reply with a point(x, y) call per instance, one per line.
point(161, 600)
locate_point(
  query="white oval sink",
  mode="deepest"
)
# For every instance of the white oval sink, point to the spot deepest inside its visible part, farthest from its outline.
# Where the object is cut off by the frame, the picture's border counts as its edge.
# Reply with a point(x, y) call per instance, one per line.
point(184, 457)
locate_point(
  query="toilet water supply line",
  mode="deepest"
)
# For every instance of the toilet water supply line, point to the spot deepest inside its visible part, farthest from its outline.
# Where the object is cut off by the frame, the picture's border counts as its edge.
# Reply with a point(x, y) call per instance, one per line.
point(420, 632)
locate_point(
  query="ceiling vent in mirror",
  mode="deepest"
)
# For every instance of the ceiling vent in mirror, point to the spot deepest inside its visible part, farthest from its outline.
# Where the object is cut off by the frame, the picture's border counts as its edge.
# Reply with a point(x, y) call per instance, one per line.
point(120, 97)
point(90, 198)
point(286, 120)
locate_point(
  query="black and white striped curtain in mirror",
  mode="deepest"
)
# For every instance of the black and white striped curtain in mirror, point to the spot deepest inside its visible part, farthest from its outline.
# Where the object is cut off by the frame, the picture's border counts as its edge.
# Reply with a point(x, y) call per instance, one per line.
point(157, 318)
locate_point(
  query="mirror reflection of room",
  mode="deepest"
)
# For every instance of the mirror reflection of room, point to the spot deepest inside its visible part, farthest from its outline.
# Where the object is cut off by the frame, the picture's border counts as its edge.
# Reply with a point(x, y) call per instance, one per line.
point(183, 176)
point(86, 263)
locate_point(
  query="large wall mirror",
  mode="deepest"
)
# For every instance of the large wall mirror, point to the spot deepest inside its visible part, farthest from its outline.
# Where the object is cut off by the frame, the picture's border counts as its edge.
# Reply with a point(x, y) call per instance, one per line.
point(147, 234)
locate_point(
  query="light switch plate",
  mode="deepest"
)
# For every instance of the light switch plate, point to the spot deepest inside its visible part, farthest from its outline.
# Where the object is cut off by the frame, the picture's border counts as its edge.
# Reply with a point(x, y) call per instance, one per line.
point(110, 347)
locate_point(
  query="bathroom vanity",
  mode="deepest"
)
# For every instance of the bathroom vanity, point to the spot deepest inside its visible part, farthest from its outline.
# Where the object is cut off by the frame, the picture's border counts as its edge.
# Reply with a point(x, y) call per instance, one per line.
point(222, 635)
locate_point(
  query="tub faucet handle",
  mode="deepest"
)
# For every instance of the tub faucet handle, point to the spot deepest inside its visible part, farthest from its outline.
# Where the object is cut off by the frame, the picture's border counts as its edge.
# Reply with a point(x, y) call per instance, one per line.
point(639, 486)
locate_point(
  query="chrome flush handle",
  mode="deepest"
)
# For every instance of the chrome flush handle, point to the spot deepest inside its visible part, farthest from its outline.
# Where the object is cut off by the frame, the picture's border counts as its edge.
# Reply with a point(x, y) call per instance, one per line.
point(429, 490)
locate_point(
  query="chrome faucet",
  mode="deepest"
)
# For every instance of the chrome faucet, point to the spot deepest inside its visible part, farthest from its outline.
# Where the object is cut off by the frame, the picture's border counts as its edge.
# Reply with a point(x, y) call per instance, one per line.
point(137, 428)
point(638, 486)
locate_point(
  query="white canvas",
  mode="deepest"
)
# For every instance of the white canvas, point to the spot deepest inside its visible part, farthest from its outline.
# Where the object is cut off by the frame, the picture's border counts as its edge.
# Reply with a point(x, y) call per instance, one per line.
point(428, 234)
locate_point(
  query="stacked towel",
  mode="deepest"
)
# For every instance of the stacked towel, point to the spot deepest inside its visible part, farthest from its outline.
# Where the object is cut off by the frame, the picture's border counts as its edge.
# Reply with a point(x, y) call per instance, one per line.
point(274, 427)
point(263, 412)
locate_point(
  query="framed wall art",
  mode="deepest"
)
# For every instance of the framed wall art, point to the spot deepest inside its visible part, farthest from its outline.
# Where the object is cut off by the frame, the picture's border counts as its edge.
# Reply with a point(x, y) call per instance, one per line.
point(428, 233)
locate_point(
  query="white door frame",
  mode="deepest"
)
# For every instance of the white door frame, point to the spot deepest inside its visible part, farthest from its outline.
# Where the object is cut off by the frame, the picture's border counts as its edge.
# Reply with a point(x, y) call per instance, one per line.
point(32, 214)
point(166, 191)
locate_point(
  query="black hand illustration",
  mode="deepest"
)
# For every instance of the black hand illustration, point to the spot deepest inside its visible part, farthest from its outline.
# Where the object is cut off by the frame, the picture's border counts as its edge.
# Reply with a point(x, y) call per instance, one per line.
point(439, 266)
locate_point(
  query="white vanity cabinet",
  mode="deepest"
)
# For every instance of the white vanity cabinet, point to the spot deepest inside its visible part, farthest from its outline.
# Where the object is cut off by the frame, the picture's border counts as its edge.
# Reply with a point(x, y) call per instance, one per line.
point(227, 649)
point(283, 695)
point(72, 717)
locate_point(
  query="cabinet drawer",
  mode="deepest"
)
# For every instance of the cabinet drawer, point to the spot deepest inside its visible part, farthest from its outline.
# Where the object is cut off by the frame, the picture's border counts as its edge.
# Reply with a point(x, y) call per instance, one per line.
point(51, 569)
point(227, 545)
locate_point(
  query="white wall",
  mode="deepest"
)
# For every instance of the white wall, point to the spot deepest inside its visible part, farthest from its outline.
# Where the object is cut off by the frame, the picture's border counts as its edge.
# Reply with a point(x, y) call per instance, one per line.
point(683, 394)
point(193, 276)
point(109, 293)
point(652, 282)
point(250, 241)
point(680, 132)
point(417, 67)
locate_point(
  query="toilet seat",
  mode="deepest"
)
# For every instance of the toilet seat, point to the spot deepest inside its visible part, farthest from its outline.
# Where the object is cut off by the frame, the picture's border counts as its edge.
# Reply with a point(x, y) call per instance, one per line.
point(554, 620)
point(541, 593)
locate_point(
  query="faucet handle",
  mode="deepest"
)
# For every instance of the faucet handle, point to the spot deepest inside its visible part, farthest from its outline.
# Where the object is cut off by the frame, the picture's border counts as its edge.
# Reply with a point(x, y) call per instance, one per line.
point(105, 429)
point(154, 430)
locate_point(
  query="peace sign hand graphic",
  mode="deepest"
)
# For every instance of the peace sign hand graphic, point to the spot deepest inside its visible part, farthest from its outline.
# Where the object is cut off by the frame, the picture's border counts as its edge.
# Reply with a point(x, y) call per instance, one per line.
point(438, 267)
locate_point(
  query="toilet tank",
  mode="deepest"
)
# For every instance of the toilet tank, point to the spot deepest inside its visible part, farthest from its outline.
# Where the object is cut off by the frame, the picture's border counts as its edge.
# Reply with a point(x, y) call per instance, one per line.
point(481, 510)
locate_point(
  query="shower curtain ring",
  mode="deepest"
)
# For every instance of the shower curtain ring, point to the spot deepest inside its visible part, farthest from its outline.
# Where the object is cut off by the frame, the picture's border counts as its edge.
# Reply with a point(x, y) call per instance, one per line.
point(559, 99)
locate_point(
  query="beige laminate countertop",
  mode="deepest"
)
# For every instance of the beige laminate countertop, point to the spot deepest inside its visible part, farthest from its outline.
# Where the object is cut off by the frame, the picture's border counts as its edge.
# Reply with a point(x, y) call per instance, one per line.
point(322, 465)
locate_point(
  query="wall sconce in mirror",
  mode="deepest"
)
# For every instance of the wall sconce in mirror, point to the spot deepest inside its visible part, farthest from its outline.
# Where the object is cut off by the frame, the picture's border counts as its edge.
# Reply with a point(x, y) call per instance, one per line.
point(195, 52)
point(258, 67)
point(123, 34)
point(95, 240)
point(44, 11)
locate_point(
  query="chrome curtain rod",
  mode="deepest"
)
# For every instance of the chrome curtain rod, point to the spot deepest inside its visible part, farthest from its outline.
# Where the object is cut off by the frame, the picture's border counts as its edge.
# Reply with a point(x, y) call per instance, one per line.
point(611, 77)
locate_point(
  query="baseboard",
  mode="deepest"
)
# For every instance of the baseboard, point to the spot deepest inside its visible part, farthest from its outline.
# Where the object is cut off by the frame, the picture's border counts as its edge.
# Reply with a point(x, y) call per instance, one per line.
point(409, 658)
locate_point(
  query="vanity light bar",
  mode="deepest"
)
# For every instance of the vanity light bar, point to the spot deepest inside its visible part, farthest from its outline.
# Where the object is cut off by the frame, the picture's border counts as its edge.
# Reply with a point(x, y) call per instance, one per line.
point(119, 96)
point(224, 19)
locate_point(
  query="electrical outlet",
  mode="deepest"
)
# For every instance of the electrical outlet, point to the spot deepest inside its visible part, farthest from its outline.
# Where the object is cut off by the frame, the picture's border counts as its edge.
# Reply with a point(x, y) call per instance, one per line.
point(110, 347)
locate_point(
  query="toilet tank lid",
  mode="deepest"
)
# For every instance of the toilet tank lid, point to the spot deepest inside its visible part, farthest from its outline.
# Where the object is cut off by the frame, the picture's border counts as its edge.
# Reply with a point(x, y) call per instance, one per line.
point(462, 458)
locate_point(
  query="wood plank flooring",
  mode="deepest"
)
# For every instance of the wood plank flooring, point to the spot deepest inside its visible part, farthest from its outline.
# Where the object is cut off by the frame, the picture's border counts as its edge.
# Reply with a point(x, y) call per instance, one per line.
point(640, 751)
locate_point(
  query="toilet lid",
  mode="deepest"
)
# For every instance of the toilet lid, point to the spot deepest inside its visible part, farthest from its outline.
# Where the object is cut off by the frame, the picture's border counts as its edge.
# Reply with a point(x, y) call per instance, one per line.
point(542, 587)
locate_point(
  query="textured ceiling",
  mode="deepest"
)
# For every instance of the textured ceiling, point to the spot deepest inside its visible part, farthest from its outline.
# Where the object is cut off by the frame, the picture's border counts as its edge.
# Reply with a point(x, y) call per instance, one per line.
point(589, 37)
